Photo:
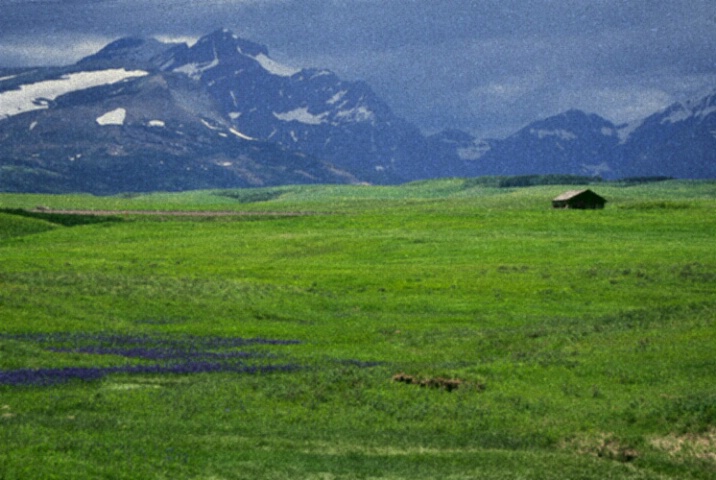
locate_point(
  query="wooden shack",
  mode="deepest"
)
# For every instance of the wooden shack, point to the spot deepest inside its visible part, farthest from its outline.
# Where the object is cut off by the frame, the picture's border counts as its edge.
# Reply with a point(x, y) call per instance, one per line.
point(583, 199)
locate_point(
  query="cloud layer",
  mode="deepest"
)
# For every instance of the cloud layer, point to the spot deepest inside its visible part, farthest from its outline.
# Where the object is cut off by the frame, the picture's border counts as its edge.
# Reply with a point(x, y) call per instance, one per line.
point(487, 66)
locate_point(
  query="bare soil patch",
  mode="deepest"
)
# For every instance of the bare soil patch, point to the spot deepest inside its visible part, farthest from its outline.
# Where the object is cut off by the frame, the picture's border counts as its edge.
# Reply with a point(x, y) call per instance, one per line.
point(695, 445)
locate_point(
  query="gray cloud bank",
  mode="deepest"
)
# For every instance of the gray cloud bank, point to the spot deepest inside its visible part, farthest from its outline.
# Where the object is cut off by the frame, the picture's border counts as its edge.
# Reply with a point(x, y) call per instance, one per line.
point(486, 66)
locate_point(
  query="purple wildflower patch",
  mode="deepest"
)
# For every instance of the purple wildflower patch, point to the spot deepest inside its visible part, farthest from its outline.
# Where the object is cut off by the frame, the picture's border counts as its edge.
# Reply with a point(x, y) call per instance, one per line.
point(153, 353)
point(160, 355)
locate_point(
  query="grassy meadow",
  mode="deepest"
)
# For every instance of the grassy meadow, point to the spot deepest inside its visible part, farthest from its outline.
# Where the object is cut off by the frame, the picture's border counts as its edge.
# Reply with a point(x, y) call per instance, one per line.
point(440, 329)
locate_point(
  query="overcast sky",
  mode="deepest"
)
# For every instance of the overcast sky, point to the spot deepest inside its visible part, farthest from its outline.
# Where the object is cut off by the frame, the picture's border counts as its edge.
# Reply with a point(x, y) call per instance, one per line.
point(485, 66)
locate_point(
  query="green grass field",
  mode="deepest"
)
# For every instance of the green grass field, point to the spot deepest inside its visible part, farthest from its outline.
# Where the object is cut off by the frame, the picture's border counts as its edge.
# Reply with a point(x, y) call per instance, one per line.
point(578, 344)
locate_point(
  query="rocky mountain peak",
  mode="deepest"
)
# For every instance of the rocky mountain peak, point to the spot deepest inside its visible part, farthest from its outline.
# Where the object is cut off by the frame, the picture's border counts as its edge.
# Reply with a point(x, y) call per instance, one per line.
point(224, 40)
point(130, 52)
point(224, 46)
point(221, 56)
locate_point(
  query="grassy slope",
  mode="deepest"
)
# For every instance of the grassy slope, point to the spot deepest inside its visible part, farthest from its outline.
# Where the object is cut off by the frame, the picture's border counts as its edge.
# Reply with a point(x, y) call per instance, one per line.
point(592, 334)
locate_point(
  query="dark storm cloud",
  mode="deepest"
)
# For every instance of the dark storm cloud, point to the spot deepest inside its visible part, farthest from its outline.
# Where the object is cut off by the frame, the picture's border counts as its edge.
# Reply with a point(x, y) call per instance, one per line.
point(483, 65)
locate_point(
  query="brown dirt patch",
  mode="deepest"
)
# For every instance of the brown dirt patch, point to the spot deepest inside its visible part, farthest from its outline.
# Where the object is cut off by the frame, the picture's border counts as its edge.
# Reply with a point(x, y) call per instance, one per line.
point(602, 445)
point(448, 384)
point(690, 445)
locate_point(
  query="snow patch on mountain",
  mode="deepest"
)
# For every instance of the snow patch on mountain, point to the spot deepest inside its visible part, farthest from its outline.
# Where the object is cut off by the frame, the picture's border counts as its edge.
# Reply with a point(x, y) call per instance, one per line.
point(475, 151)
point(114, 117)
point(240, 135)
point(560, 133)
point(195, 70)
point(677, 113)
point(701, 114)
point(208, 125)
point(39, 95)
point(337, 97)
point(597, 170)
point(625, 131)
point(358, 114)
point(608, 132)
point(301, 115)
point(274, 67)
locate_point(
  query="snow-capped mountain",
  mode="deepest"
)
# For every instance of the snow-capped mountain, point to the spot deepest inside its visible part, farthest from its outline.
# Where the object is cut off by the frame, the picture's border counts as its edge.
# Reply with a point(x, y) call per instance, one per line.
point(459, 153)
point(573, 142)
point(679, 141)
point(39, 94)
point(144, 115)
point(114, 130)
point(311, 111)
point(224, 100)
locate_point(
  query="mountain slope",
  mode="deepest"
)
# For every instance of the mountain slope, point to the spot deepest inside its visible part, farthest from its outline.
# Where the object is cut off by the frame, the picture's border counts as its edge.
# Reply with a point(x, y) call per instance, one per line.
point(218, 113)
point(570, 143)
point(143, 115)
point(679, 141)
point(573, 143)
point(149, 132)
point(311, 111)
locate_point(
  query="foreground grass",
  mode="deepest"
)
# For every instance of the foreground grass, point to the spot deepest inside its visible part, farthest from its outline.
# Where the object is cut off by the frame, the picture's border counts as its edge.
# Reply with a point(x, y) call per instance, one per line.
point(584, 341)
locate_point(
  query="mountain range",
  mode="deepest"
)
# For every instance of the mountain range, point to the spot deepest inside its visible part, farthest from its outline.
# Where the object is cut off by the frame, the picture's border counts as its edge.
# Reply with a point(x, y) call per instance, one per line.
point(141, 115)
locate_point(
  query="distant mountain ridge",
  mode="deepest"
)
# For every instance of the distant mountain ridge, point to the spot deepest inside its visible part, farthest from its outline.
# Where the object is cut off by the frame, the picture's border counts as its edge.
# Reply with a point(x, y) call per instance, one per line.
point(679, 141)
point(141, 115)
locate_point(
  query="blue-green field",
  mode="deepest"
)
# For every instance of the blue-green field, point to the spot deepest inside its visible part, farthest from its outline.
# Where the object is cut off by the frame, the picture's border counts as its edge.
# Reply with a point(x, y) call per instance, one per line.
point(443, 329)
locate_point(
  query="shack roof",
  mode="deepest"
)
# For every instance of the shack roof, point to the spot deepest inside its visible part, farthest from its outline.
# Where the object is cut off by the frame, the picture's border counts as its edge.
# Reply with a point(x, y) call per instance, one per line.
point(573, 193)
